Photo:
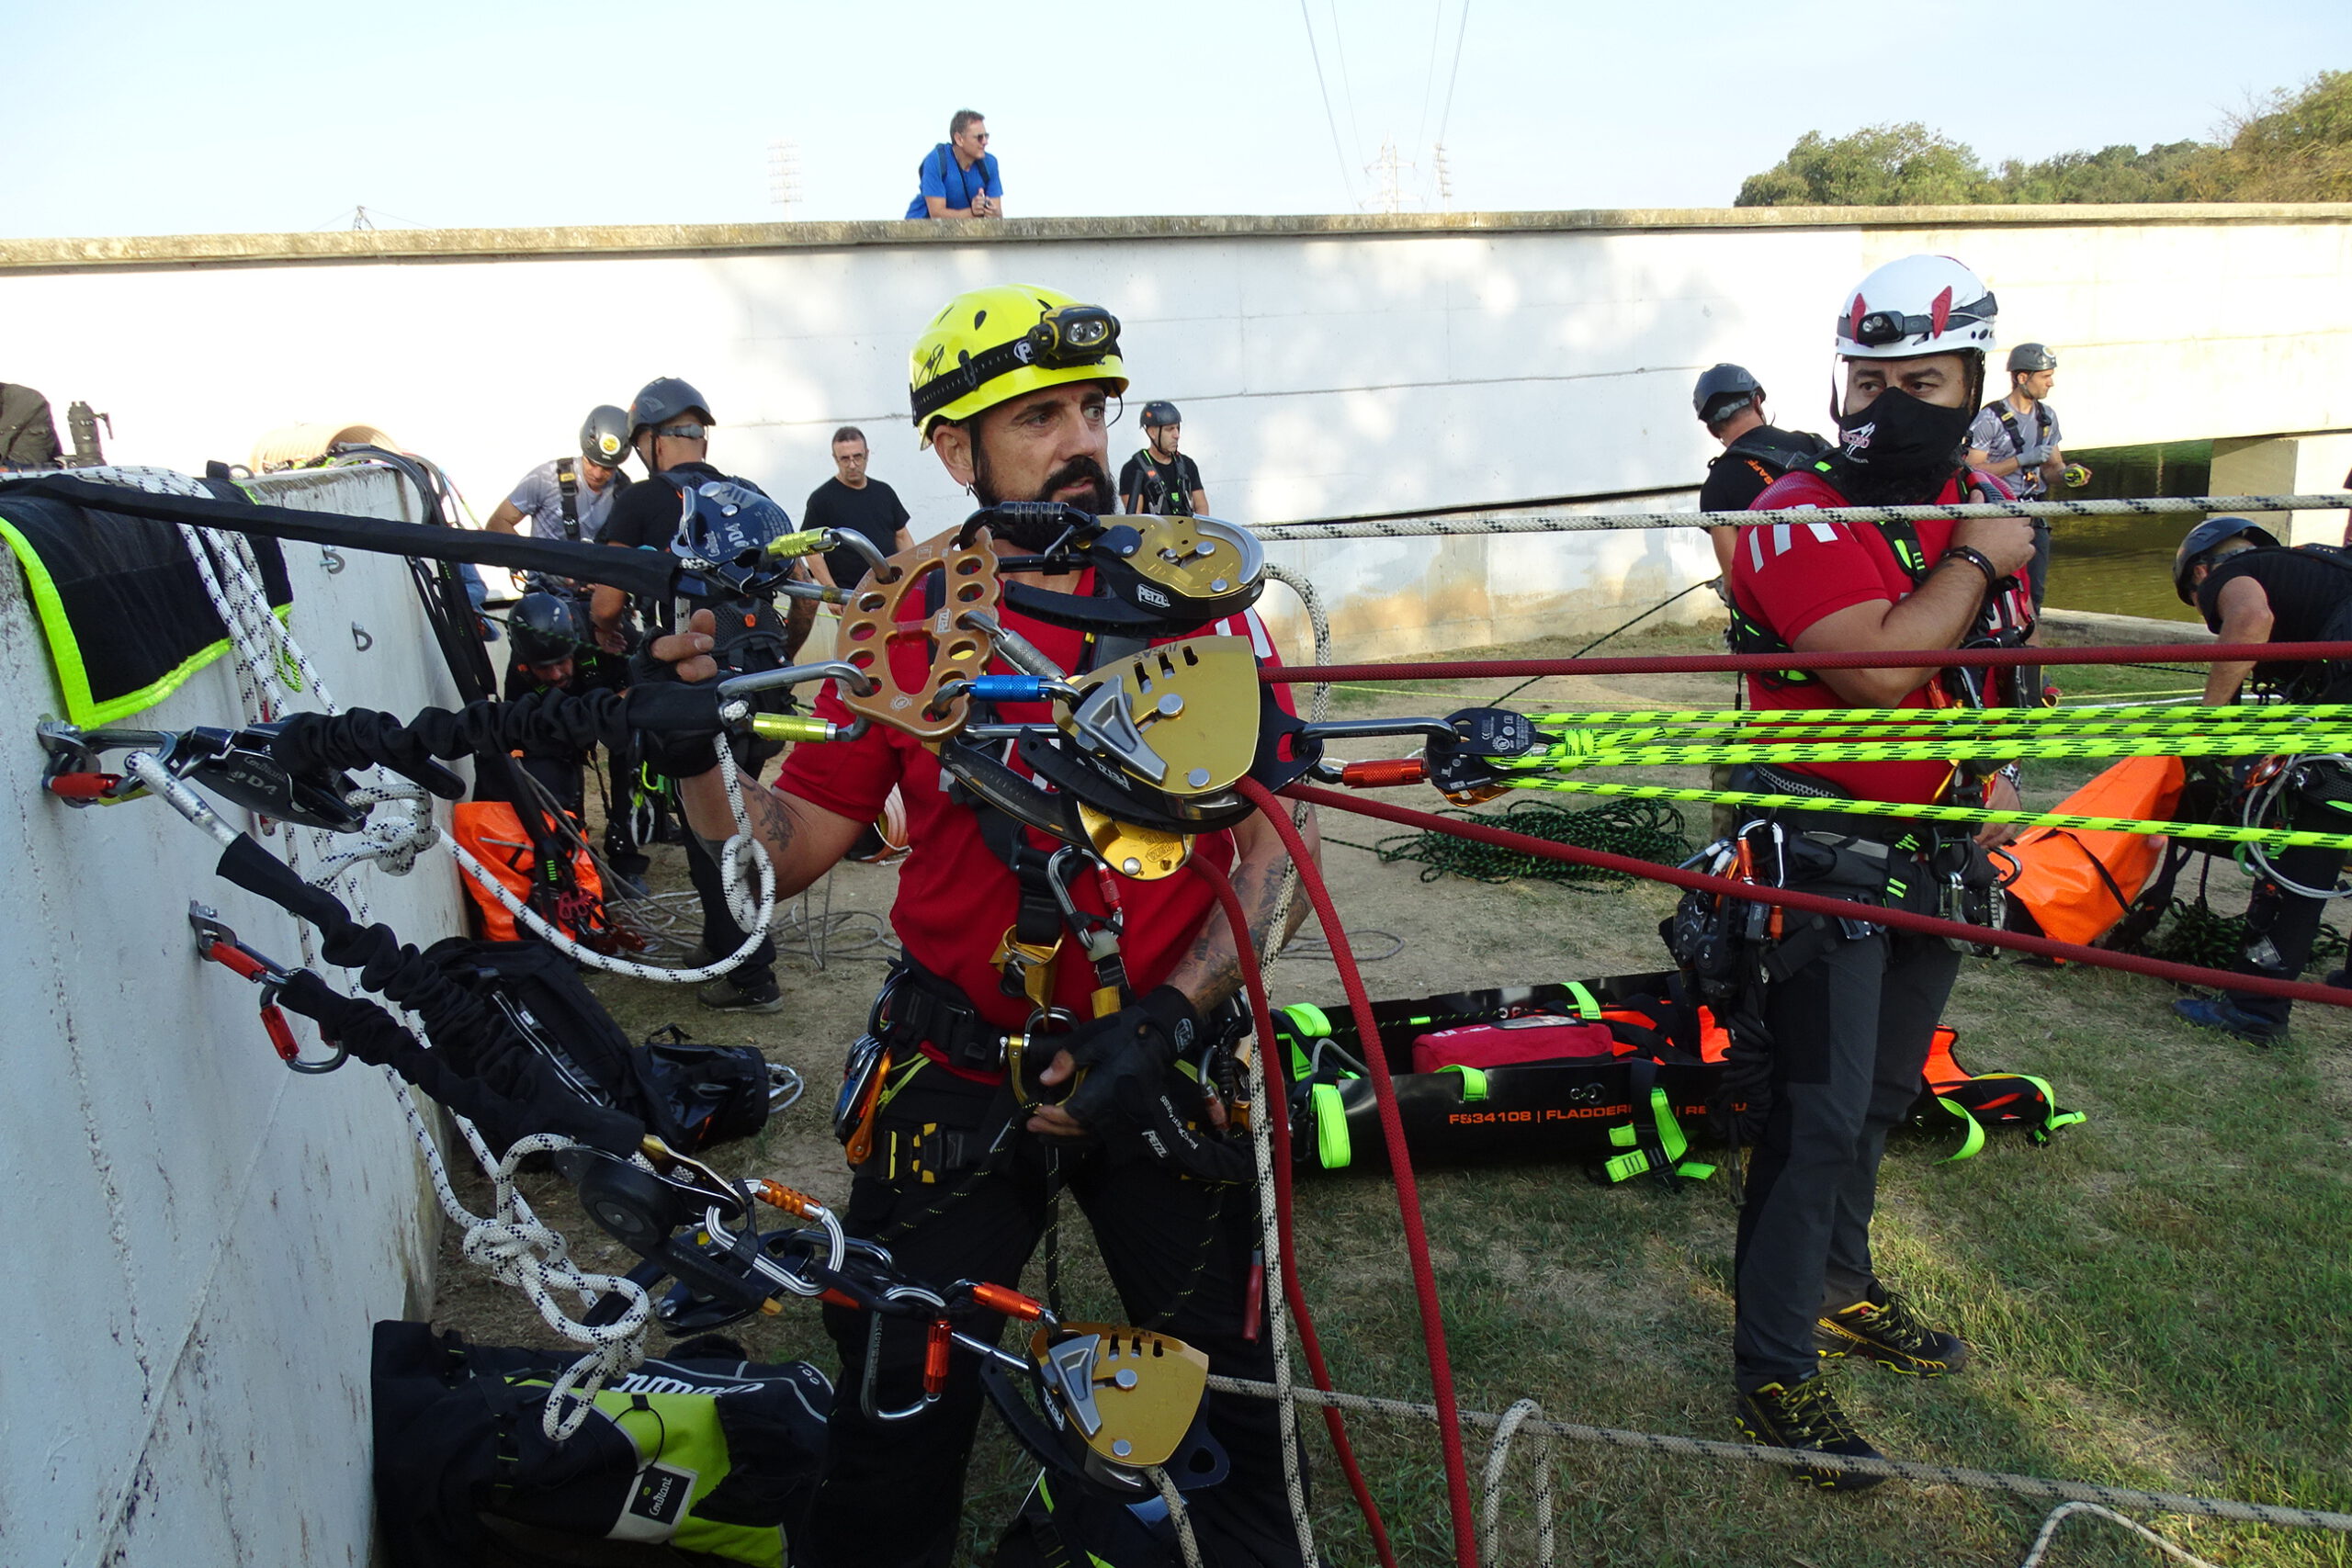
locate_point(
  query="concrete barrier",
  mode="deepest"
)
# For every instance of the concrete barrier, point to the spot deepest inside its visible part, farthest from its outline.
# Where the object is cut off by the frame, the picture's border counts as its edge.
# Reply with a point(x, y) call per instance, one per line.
point(200, 1239)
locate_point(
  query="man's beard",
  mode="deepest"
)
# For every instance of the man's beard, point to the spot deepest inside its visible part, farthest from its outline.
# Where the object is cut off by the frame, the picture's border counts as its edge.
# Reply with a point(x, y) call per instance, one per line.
point(1038, 536)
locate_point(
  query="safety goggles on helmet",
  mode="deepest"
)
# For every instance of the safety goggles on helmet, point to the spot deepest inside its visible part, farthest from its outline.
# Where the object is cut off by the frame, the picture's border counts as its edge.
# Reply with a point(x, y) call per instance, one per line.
point(1064, 338)
point(1876, 329)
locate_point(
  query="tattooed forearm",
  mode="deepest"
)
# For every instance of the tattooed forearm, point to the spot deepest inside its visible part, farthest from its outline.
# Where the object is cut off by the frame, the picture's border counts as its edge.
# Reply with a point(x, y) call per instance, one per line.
point(1211, 971)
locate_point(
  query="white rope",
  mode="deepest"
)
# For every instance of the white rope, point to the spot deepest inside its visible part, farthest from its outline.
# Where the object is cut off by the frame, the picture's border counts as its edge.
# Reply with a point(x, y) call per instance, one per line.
point(1590, 522)
point(1814, 1459)
point(1490, 1544)
point(1178, 1516)
point(2064, 1511)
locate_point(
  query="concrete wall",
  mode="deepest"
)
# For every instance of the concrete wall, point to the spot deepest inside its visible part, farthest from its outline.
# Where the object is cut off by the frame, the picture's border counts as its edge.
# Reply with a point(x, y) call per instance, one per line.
point(202, 1238)
point(2288, 466)
point(1326, 366)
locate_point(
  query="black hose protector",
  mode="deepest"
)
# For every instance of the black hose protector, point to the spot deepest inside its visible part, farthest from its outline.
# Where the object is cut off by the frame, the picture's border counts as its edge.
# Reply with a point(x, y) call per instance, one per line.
point(310, 742)
point(480, 1068)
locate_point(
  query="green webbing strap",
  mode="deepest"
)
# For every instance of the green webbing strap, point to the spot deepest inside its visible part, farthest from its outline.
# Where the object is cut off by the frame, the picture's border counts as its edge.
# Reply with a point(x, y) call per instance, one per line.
point(1332, 1150)
point(1588, 1006)
point(1473, 1082)
point(2057, 1118)
point(82, 707)
point(1970, 1141)
point(1670, 1142)
point(2269, 837)
point(1308, 1021)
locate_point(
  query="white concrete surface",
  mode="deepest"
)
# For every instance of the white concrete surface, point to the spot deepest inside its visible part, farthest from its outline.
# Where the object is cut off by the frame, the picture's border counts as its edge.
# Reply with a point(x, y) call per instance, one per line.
point(1326, 367)
point(200, 1239)
point(2291, 465)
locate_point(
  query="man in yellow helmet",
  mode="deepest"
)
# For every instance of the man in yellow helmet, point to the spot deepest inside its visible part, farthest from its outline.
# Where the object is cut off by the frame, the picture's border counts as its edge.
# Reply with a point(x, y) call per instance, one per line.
point(1011, 386)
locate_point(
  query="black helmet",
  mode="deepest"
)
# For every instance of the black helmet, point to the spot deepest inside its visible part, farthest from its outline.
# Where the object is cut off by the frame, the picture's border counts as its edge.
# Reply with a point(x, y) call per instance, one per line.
point(547, 628)
point(1728, 384)
point(659, 401)
point(2031, 357)
point(2206, 537)
point(1158, 414)
point(603, 435)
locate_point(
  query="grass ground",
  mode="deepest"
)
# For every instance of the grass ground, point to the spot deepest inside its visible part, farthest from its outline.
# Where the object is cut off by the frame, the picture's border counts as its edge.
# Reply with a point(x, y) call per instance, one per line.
point(2157, 1298)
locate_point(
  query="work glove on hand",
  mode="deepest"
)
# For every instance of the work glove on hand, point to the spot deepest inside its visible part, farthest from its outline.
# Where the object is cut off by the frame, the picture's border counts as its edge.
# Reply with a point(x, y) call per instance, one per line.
point(677, 721)
point(1136, 1101)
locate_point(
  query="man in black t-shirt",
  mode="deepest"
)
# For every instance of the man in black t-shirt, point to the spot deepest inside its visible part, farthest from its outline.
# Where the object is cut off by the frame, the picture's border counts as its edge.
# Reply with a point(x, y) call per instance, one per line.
point(1730, 403)
point(850, 502)
point(1161, 479)
point(2250, 590)
point(670, 428)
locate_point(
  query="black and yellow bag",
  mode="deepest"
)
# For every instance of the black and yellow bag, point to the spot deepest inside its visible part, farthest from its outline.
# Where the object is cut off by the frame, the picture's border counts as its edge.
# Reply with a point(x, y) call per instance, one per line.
point(705, 1457)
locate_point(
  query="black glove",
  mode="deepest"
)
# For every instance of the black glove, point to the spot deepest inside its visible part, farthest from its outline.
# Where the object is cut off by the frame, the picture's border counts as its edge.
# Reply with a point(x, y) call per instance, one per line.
point(676, 720)
point(1137, 1102)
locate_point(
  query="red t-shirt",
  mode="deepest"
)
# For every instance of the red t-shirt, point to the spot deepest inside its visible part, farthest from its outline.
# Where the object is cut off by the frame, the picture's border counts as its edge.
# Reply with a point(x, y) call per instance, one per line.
point(956, 898)
point(1789, 575)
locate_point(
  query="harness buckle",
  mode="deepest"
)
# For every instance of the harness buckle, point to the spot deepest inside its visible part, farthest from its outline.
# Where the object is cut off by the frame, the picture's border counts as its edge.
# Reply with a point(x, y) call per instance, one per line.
point(1027, 966)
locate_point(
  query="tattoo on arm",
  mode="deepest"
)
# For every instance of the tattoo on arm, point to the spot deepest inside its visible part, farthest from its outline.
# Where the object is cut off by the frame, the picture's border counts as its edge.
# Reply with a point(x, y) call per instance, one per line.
point(1211, 971)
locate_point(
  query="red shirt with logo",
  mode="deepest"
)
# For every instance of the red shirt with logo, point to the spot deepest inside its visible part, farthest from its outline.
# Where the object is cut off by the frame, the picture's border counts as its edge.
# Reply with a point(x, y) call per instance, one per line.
point(955, 899)
point(1788, 574)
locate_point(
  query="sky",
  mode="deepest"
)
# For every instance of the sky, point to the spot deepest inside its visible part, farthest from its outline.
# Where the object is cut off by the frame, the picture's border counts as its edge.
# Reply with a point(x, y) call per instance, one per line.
point(136, 116)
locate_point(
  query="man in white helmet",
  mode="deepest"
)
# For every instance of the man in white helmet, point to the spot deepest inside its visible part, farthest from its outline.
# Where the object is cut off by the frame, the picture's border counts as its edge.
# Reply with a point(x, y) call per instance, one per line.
point(1848, 1007)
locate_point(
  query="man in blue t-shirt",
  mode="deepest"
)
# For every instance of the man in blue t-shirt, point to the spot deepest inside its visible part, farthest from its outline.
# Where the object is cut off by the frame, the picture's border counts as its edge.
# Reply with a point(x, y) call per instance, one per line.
point(959, 177)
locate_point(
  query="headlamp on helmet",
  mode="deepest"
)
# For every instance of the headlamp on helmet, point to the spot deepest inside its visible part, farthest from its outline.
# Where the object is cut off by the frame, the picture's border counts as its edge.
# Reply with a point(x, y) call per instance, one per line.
point(992, 345)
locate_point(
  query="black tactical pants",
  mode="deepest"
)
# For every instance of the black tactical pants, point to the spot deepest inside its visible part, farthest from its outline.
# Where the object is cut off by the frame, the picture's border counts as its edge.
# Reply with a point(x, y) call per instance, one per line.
point(1851, 1032)
point(954, 1196)
point(721, 934)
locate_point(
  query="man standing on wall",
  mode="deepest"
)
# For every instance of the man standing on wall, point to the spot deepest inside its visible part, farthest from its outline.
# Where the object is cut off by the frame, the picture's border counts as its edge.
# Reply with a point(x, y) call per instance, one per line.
point(1159, 479)
point(1849, 1007)
point(959, 177)
point(1730, 403)
point(959, 1179)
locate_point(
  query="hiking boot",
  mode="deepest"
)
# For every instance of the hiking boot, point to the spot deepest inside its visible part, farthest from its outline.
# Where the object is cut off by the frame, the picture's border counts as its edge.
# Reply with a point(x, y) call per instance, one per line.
point(697, 957)
point(1806, 1415)
point(1889, 1332)
point(2219, 1012)
point(726, 996)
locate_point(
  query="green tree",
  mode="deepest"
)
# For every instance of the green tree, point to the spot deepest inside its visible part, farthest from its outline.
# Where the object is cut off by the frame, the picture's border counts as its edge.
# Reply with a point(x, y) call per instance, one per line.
point(1879, 166)
point(2168, 172)
point(2300, 149)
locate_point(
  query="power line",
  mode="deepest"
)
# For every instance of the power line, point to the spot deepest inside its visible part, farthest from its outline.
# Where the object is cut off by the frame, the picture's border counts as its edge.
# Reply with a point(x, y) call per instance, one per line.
point(1346, 81)
point(1346, 181)
point(1428, 77)
point(1455, 75)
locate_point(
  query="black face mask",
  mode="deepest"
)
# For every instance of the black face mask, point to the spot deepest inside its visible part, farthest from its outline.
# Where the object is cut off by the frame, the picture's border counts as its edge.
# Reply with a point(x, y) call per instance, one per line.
point(1897, 435)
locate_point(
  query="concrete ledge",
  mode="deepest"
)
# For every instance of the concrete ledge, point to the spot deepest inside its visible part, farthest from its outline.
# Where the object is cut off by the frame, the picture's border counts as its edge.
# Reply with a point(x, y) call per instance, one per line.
point(716, 239)
point(2089, 629)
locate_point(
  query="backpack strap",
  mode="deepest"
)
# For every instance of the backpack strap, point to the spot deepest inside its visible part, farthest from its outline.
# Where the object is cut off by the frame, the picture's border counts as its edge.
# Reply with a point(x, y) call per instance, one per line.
point(567, 483)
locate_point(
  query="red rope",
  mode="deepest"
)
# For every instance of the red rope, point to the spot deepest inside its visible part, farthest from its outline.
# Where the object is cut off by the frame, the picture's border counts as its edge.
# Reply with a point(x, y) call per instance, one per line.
point(1813, 903)
point(1701, 664)
point(1400, 1164)
point(1276, 1111)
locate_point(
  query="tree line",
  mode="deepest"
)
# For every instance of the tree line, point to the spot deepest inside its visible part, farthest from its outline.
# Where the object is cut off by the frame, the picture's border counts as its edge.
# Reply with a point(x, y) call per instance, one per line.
point(2291, 147)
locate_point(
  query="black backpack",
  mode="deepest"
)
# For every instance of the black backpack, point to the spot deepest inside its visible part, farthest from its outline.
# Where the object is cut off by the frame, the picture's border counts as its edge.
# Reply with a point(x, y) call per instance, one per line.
point(702, 1457)
point(690, 1096)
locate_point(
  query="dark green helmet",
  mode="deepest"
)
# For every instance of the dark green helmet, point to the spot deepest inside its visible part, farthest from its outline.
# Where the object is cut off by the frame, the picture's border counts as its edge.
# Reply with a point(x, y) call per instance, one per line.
point(1722, 389)
point(603, 435)
point(547, 628)
point(659, 401)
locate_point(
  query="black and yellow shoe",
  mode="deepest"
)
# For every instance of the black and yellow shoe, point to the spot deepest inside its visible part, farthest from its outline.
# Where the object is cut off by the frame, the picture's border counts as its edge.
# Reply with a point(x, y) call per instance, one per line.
point(1889, 1332)
point(1806, 1415)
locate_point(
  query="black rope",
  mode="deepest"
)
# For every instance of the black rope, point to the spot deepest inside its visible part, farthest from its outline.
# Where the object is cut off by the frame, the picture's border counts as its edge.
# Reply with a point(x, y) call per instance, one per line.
point(1645, 830)
point(1604, 637)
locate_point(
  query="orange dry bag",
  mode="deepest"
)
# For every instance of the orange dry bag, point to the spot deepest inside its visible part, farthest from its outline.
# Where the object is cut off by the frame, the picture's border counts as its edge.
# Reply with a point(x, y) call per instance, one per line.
point(493, 834)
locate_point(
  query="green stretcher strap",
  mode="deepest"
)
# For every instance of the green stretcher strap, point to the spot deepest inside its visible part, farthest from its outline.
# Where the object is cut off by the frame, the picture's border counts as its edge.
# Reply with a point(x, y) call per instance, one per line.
point(1637, 1161)
point(1972, 1140)
point(1474, 1082)
point(1332, 1150)
point(1588, 1006)
point(2056, 1118)
point(1312, 1020)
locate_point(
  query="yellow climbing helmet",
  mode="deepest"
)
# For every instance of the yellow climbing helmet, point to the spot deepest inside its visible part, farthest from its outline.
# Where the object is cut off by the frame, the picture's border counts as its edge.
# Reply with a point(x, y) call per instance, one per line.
point(993, 344)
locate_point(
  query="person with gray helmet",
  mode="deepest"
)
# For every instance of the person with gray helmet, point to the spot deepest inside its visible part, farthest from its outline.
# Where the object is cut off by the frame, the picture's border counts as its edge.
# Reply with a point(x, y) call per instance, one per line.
point(1159, 479)
point(2016, 439)
point(2249, 588)
point(1730, 403)
point(669, 427)
point(569, 497)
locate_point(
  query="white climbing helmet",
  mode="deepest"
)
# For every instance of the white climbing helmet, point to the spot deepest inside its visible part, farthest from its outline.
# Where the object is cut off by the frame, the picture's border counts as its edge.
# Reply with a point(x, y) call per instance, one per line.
point(1919, 305)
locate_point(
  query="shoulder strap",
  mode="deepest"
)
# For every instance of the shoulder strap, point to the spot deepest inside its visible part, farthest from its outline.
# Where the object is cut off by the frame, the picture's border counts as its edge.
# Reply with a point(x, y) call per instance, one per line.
point(2007, 416)
point(567, 481)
